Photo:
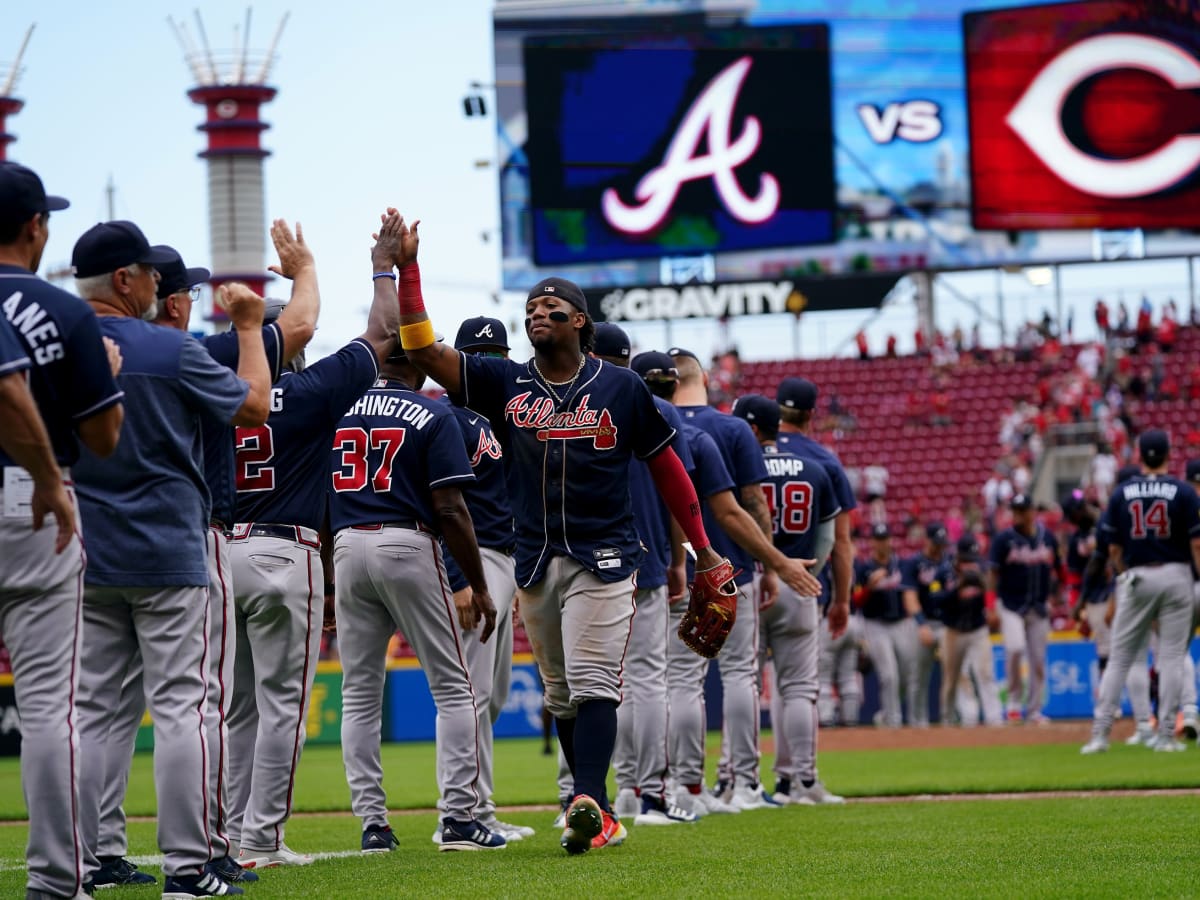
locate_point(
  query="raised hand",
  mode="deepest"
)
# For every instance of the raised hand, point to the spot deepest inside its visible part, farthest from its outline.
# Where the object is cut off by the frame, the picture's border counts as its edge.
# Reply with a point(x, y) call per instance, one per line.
point(243, 306)
point(387, 241)
point(294, 254)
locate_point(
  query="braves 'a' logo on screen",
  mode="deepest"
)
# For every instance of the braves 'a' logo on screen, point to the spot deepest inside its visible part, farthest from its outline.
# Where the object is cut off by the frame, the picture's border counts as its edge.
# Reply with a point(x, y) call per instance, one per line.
point(1038, 116)
point(709, 118)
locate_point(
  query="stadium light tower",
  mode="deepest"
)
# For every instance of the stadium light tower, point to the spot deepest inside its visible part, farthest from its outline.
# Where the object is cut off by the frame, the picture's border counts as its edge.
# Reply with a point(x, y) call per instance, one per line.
point(10, 105)
point(232, 86)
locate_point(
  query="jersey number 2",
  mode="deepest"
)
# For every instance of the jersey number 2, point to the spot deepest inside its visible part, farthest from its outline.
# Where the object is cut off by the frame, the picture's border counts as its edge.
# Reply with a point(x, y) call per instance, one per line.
point(355, 444)
point(791, 512)
point(255, 448)
point(1146, 519)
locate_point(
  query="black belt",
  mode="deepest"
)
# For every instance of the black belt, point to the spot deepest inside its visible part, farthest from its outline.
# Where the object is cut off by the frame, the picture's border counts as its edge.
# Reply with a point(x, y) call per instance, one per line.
point(406, 524)
point(226, 530)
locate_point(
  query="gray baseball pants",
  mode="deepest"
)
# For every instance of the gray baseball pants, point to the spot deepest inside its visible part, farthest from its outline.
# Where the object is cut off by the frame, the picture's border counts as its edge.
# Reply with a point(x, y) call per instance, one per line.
point(788, 629)
point(838, 670)
point(490, 668)
point(1025, 637)
point(686, 671)
point(278, 616)
point(737, 664)
point(893, 650)
point(168, 627)
point(640, 759)
point(966, 653)
point(41, 600)
point(389, 578)
point(1149, 592)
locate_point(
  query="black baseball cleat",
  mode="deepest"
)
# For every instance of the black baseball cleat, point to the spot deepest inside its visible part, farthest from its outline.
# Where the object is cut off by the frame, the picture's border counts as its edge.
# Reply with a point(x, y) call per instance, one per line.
point(379, 839)
point(117, 871)
point(227, 869)
point(469, 835)
point(184, 887)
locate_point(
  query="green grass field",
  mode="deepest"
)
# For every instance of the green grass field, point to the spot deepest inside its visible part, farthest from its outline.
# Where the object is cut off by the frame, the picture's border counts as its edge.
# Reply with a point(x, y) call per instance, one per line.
point(1042, 847)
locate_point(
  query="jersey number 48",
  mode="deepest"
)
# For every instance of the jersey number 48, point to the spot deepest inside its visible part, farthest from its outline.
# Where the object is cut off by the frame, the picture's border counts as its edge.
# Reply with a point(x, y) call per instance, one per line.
point(790, 506)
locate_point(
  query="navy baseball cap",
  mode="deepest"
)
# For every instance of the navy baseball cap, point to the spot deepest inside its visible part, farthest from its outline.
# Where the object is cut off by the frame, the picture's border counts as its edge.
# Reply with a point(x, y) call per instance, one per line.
point(880, 531)
point(1193, 471)
point(1021, 501)
point(654, 366)
point(797, 393)
point(559, 287)
point(758, 410)
point(1154, 445)
point(176, 276)
point(22, 194)
point(679, 351)
point(479, 332)
point(110, 246)
point(937, 533)
point(611, 340)
point(968, 548)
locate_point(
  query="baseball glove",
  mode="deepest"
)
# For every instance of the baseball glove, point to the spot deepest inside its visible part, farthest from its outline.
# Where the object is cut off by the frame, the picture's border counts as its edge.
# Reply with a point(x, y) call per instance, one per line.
point(711, 610)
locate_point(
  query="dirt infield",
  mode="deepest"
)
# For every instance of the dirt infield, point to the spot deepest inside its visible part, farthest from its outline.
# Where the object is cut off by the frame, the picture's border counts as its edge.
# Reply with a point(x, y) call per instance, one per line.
point(870, 738)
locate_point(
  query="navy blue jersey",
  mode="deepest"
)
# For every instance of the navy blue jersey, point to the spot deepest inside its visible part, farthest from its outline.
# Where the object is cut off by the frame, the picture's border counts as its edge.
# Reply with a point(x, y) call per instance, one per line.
point(1025, 566)
point(884, 601)
point(803, 445)
point(1079, 550)
point(219, 438)
point(1153, 519)
point(13, 357)
point(650, 514)
point(392, 449)
point(800, 498)
point(743, 458)
point(930, 578)
point(712, 477)
point(145, 508)
point(963, 603)
point(567, 451)
point(282, 467)
point(70, 377)
point(487, 495)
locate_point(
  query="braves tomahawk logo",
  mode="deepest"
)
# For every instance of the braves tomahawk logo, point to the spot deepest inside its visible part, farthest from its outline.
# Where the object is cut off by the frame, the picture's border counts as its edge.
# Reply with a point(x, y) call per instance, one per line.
point(581, 423)
point(709, 118)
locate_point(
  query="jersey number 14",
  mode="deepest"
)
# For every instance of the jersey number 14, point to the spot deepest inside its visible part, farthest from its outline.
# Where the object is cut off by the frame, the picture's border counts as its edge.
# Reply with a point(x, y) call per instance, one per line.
point(1149, 518)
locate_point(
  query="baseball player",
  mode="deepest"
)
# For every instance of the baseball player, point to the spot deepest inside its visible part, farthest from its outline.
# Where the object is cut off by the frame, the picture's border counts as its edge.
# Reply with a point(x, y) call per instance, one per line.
point(738, 661)
point(1153, 523)
point(803, 510)
point(924, 579)
point(889, 626)
point(966, 644)
point(569, 426)
point(490, 662)
point(1024, 575)
point(57, 391)
point(277, 575)
point(282, 339)
point(640, 758)
point(398, 460)
point(841, 634)
point(136, 599)
point(1190, 727)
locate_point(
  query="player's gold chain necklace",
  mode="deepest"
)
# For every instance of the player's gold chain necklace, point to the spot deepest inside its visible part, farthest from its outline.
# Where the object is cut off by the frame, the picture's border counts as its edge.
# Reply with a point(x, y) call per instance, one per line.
point(569, 383)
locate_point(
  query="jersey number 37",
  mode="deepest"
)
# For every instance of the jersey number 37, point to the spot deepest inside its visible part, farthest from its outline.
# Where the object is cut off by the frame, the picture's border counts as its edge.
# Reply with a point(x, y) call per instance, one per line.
point(355, 445)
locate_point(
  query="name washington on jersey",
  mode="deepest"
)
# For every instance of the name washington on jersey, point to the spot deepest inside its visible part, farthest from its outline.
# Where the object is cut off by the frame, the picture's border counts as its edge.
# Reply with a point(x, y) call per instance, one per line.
point(395, 407)
point(42, 336)
point(1150, 489)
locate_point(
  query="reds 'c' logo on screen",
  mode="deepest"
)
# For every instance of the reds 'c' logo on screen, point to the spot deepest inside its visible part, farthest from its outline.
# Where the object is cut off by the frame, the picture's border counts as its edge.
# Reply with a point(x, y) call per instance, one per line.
point(1037, 117)
point(709, 117)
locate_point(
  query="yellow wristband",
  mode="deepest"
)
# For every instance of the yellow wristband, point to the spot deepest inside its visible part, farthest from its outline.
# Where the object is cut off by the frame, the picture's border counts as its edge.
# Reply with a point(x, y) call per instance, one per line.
point(417, 335)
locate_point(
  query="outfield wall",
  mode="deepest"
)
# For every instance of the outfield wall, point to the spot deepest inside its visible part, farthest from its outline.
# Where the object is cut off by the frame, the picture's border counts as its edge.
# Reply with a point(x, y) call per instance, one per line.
point(1072, 676)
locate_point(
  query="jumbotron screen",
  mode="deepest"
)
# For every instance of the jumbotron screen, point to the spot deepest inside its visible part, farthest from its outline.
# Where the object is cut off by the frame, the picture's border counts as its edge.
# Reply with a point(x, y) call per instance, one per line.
point(650, 143)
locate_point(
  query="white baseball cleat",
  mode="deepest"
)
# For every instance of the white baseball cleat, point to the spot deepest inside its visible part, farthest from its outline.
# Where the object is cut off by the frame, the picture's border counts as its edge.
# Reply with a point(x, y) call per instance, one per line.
point(1168, 744)
point(1095, 745)
point(1144, 736)
point(510, 831)
point(707, 804)
point(628, 804)
point(269, 859)
point(560, 820)
point(746, 797)
point(817, 795)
